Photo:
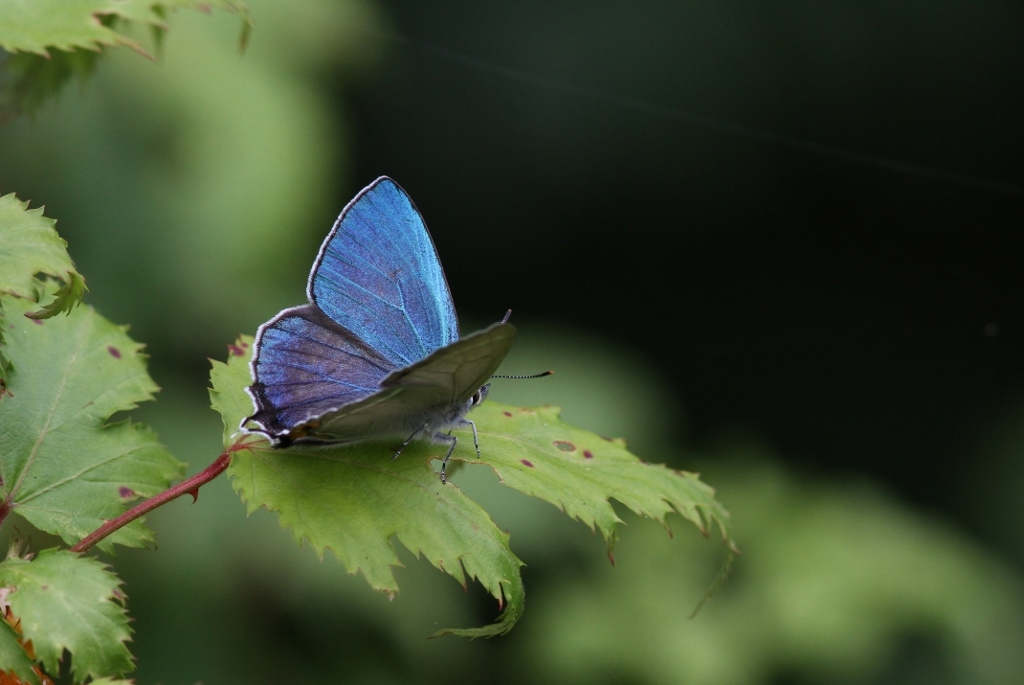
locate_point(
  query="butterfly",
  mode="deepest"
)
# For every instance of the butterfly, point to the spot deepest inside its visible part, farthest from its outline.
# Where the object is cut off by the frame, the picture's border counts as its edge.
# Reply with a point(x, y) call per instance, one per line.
point(376, 353)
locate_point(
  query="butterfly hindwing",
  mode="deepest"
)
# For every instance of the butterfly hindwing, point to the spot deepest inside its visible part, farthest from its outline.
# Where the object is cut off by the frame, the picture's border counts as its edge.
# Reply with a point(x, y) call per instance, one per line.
point(378, 275)
point(305, 365)
point(460, 369)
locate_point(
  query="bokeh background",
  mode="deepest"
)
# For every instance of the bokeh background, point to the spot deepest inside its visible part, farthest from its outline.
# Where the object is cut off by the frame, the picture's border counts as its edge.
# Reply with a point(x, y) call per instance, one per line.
point(780, 244)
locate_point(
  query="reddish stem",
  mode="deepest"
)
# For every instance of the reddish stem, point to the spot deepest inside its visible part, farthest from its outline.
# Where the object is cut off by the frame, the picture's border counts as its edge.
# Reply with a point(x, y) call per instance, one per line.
point(188, 486)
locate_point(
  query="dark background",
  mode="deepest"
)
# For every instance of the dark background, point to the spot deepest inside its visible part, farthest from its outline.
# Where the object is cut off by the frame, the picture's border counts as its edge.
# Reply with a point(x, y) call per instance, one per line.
point(817, 233)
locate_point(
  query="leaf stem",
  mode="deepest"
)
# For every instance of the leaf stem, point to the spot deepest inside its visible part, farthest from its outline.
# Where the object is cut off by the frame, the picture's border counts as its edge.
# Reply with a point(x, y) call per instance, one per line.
point(188, 486)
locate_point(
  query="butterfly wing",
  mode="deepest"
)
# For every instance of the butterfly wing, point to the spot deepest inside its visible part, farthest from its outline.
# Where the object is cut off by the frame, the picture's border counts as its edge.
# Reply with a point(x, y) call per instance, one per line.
point(304, 366)
point(378, 275)
point(435, 392)
point(457, 371)
point(377, 352)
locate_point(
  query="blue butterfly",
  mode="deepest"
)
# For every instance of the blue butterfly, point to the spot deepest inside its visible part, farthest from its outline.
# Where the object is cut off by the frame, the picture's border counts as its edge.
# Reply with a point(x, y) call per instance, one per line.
point(376, 353)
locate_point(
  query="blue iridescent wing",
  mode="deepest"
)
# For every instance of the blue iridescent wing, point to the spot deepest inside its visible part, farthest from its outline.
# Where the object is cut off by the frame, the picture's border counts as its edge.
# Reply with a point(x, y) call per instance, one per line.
point(304, 366)
point(378, 275)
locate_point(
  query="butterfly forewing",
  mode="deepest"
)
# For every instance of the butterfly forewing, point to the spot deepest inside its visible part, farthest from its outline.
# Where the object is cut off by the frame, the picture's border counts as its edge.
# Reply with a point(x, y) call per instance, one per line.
point(378, 275)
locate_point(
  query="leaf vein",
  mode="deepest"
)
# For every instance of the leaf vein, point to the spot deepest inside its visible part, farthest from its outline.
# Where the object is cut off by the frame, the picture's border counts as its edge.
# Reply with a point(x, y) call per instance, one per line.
point(44, 430)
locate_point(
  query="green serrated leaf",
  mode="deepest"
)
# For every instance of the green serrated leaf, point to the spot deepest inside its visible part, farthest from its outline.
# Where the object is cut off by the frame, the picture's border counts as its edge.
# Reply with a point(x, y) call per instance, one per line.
point(53, 40)
point(63, 24)
point(61, 466)
point(29, 245)
point(227, 392)
point(67, 296)
point(354, 501)
point(13, 657)
point(535, 452)
point(70, 602)
point(41, 25)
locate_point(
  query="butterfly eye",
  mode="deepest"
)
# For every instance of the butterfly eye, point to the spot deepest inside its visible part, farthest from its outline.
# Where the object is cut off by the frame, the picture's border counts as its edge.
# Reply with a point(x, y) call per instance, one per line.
point(480, 395)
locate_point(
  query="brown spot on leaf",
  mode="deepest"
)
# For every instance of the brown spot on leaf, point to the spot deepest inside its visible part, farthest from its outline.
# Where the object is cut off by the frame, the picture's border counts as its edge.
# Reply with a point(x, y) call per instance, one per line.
point(126, 492)
point(588, 454)
point(114, 352)
point(527, 463)
point(565, 445)
point(507, 413)
point(236, 350)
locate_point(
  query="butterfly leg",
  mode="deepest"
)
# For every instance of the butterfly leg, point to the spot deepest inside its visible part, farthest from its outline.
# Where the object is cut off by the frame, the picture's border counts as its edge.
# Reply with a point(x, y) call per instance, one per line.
point(446, 437)
point(476, 439)
point(410, 439)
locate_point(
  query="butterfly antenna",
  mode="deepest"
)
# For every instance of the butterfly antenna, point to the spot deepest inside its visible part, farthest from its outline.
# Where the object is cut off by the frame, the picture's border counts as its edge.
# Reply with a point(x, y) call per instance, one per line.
point(521, 378)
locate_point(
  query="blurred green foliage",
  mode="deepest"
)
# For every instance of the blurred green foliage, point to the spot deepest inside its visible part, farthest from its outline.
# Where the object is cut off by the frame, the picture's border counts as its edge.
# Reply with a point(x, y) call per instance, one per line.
point(216, 158)
point(193, 192)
